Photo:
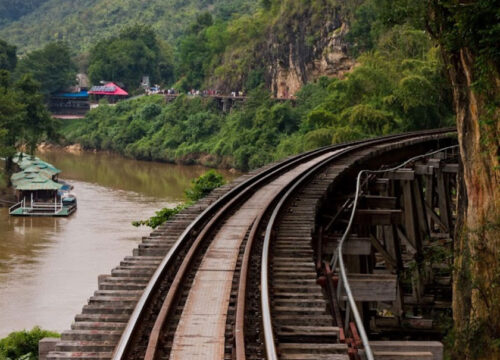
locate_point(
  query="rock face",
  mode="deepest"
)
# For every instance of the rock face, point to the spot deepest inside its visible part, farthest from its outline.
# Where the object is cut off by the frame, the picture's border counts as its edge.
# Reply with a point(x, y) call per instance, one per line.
point(304, 47)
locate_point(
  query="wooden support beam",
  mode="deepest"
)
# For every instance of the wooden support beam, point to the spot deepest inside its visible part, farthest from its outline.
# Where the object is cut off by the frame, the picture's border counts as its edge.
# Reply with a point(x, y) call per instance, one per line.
point(418, 198)
point(410, 323)
point(401, 174)
point(380, 185)
point(368, 217)
point(372, 287)
point(443, 200)
point(450, 168)
point(352, 246)
point(409, 217)
point(435, 217)
point(393, 245)
point(434, 347)
point(429, 196)
point(423, 169)
point(379, 202)
point(339, 212)
point(389, 260)
point(409, 246)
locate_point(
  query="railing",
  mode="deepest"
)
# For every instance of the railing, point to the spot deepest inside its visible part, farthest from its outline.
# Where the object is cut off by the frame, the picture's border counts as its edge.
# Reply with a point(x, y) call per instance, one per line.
point(338, 258)
point(40, 208)
point(16, 206)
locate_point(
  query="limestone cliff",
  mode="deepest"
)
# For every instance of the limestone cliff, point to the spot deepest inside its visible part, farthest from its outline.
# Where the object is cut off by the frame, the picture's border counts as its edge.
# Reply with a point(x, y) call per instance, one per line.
point(304, 46)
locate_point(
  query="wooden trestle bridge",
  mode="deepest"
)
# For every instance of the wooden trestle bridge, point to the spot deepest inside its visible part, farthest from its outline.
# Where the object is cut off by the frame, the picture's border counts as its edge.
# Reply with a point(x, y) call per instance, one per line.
point(297, 260)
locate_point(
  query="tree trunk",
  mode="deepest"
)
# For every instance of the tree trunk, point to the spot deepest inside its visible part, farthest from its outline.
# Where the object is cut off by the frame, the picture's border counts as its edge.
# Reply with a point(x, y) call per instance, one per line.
point(476, 283)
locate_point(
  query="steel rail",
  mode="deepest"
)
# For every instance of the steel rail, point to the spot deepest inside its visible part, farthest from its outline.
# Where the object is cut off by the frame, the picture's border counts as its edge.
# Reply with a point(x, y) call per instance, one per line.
point(189, 257)
point(338, 256)
point(269, 341)
point(135, 318)
point(168, 261)
point(241, 299)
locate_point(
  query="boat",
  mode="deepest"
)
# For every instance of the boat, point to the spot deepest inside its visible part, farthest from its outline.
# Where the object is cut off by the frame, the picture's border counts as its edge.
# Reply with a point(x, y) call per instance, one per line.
point(39, 190)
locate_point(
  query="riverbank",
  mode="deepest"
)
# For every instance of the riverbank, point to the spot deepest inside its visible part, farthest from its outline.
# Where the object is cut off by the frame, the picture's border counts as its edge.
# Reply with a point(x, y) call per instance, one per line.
point(205, 160)
point(49, 266)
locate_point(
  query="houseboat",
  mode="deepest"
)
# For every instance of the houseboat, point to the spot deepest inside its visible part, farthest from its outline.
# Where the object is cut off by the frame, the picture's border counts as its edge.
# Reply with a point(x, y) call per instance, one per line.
point(39, 191)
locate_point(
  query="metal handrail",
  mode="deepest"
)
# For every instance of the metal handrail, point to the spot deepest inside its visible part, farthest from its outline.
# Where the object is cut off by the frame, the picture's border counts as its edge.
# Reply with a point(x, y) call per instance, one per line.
point(240, 309)
point(121, 348)
point(338, 256)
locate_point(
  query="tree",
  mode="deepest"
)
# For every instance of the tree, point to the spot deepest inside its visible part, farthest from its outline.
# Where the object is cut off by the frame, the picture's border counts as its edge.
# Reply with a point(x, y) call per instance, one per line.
point(37, 121)
point(8, 57)
point(196, 50)
point(51, 66)
point(24, 119)
point(134, 53)
point(468, 33)
point(11, 115)
point(266, 4)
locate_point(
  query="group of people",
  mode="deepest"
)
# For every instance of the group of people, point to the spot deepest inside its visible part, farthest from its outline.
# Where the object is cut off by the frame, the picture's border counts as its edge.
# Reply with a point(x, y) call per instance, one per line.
point(210, 92)
point(194, 92)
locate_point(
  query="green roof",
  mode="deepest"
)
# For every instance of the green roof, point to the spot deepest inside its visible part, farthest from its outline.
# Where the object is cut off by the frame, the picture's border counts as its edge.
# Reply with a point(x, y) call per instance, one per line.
point(25, 162)
point(35, 182)
point(36, 174)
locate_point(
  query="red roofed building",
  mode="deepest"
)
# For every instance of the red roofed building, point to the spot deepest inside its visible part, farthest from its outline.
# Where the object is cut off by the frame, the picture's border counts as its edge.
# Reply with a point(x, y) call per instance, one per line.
point(110, 91)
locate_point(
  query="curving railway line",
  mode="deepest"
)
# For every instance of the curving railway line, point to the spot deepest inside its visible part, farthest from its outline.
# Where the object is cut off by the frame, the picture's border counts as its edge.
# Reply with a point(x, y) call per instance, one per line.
point(292, 261)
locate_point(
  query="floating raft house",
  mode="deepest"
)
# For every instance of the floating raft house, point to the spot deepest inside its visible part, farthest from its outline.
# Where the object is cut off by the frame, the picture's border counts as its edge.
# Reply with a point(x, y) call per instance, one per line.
point(38, 189)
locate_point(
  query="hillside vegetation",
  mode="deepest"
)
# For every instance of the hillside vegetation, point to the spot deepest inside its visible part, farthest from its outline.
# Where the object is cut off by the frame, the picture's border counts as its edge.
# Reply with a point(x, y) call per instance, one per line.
point(398, 85)
point(31, 24)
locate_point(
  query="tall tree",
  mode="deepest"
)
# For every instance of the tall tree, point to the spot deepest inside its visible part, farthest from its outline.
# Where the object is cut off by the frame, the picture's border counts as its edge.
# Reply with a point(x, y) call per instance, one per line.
point(51, 66)
point(11, 115)
point(37, 121)
point(468, 32)
point(8, 57)
point(126, 58)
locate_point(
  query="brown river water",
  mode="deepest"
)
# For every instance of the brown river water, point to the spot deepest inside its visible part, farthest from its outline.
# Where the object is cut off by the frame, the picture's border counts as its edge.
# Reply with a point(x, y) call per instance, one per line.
point(49, 266)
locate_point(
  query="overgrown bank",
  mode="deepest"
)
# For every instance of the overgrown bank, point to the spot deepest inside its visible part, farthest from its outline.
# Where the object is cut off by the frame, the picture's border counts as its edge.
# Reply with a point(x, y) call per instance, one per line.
point(397, 87)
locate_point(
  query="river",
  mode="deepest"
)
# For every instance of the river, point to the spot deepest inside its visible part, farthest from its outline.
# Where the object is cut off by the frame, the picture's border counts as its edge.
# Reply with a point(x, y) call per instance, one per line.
point(49, 266)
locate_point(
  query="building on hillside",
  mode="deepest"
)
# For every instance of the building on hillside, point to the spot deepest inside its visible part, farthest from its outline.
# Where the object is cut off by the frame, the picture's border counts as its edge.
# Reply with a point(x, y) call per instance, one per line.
point(109, 91)
point(73, 102)
point(69, 104)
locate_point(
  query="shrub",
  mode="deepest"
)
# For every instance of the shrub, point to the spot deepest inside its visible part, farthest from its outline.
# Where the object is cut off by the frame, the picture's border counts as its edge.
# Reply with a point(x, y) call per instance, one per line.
point(203, 185)
point(200, 188)
point(23, 344)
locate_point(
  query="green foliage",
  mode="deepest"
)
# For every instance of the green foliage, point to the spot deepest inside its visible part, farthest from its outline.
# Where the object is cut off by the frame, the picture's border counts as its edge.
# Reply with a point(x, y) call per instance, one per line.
point(134, 53)
point(195, 51)
point(24, 119)
point(200, 187)
point(160, 217)
point(11, 10)
point(23, 344)
point(398, 85)
point(8, 57)
point(51, 66)
point(37, 122)
point(11, 116)
point(203, 185)
point(82, 23)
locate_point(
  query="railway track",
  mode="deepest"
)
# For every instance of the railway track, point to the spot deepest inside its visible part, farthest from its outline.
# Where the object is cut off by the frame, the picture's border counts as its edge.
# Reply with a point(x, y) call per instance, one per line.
point(236, 276)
